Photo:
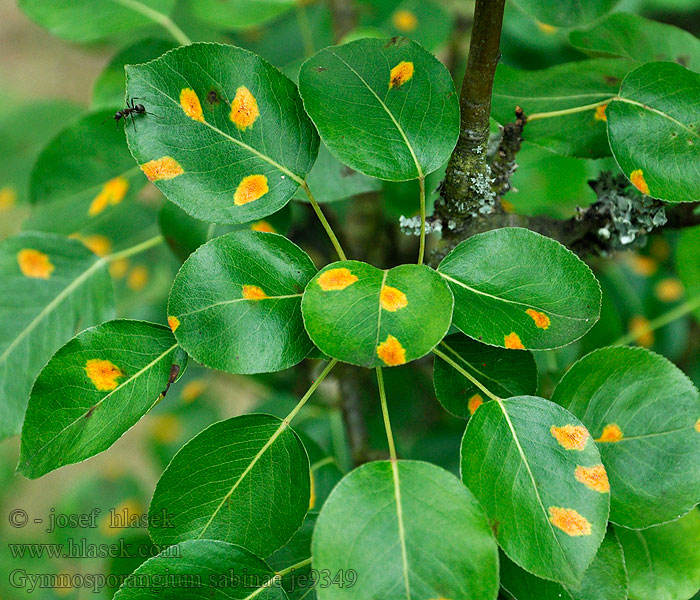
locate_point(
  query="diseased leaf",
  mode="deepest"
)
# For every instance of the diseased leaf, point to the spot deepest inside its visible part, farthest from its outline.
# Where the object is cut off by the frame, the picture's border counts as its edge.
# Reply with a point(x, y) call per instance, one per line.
point(566, 13)
point(663, 562)
point(92, 390)
point(645, 416)
point(369, 317)
point(386, 108)
point(299, 583)
point(235, 304)
point(51, 288)
point(244, 480)
point(517, 289)
point(503, 372)
point(538, 475)
point(408, 530)
point(569, 85)
point(227, 138)
point(654, 131)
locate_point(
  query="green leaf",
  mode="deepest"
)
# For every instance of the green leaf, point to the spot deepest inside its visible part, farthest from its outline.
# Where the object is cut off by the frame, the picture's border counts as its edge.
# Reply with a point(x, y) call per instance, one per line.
point(503, 372)
point(533, 468)
point(299, 583)
point(369, 317)
point(631, 36)
point(386, 108)
point(605, 579)
point(663, 562)
point(235, 304)
point(566, 13)
point(688, 262)
point(238, 14)
point(570, 85)
point(244, 480)
point(92, 390)
point(227, 138)
point(654, 131)
point(51, 287)
point(202, 569)
point(81, 21)
point(325, 473)
point(108, 89)
point(409, 530)
point(518, 289)
point(645, 415)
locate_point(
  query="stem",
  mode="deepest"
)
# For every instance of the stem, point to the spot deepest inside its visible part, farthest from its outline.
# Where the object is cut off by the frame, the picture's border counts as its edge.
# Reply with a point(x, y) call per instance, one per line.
point(324, 222)
point(298, 565)
point(676, 313)
point(385, 414)
point(421, 249)
point(310, 391)
point(143, 246)
point(464, 372)
point(163, 20)
point(569, 111)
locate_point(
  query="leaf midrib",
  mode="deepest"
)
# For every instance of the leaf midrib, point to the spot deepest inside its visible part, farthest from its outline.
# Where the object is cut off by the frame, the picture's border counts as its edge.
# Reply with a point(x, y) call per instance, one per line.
point(402, 530)
point(234, 300)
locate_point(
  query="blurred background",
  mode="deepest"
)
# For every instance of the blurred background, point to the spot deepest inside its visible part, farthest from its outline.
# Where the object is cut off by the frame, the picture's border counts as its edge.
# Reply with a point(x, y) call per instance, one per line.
point(47, 83)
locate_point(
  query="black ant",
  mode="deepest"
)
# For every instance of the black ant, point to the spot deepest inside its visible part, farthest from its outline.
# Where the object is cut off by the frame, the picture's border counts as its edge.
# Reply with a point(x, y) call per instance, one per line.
point(130, 110)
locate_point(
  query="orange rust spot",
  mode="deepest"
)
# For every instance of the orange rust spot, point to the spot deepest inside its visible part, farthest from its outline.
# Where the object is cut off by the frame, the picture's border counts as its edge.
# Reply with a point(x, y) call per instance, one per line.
point(173, 323)
point(544, 28)
point(192, 390)
point(190, 104)
point(669, 290)
point(263, 226)
point(404, 20)
point(98, 244)
point(253, 292)
point(166, 429)
point(697, 425)
point(594, 478)
point(541, 320)
point(600, 113)
point(391, 352)
point(103, 374)
point(336, 279)
point(638, 181)
point(119, 267)
point(252, 187)
point(570, 437)
point(312, 498)
point(392, 299)
point(138, 278)
point(8, 198)
point(162, 168)
point(639, 326)
point(112, 192)
point(34, 264)
point(474, 402)
point(512, 341)
point(569, 521)
point(611, 434)
point(400, 74)
point(244, 109)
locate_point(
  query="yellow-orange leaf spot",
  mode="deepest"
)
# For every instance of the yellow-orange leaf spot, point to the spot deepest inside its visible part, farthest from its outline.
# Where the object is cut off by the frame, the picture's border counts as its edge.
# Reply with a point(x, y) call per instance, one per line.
point(474, 402)
point(594, 478)
point(34, 264)
point(173, 323)
point(138, 278)
point(638, 181)
point(120, 517)
point(392, 299)
point(569, 521)
point(190, 104)
point(263, 226)
point(639, 327)
point(166, 429)
point(600, 113)
point(252, 187)
point(244, 109)
point(162, 168)
point(99, 244)
point(312, 498)
point(103, 374)
point(112, 192)
point(391, 352)
point(541, 320)
point(697, 425)
point(512, 341)
point(336, 279)
point(192, 390)
point(400, 74)
point(611, 434)
point(8, 198)
point(253, 292)
point(119, 267)
point(544, 28)
point(669, 290)
point(570, 437)
point(404, 20)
